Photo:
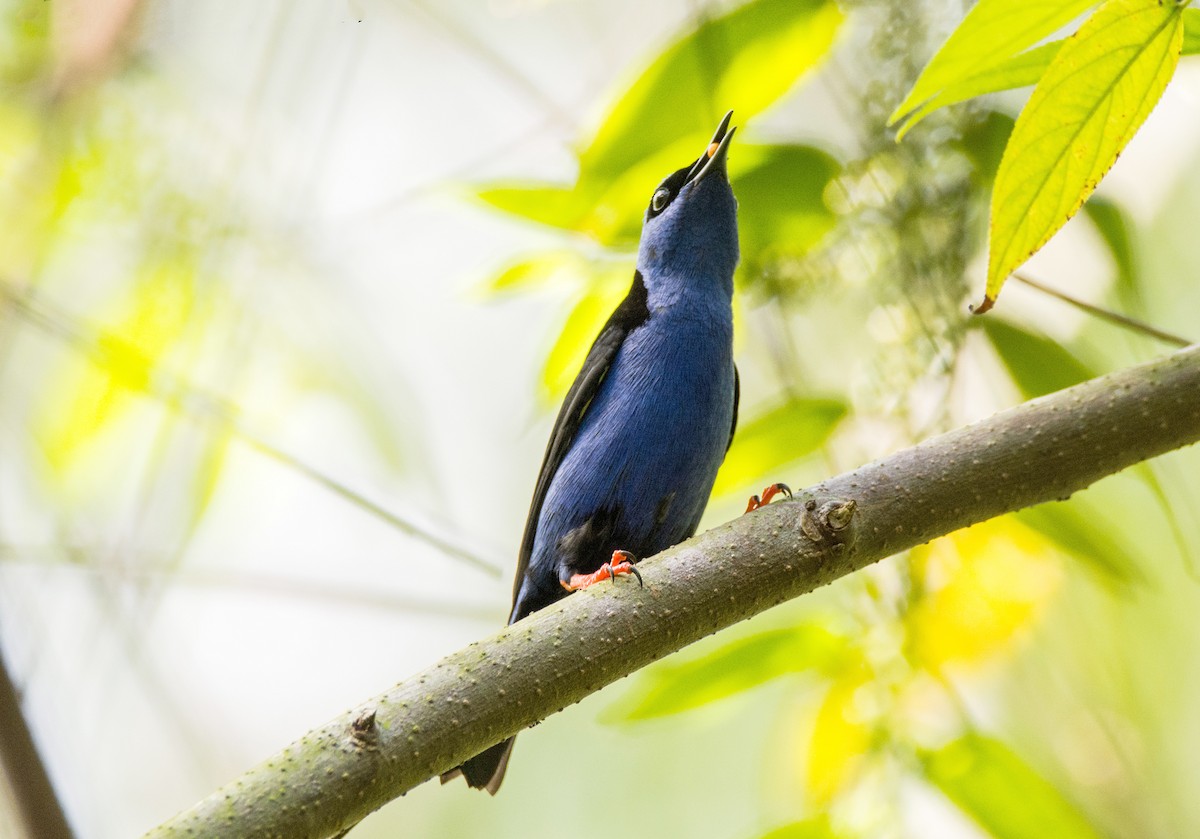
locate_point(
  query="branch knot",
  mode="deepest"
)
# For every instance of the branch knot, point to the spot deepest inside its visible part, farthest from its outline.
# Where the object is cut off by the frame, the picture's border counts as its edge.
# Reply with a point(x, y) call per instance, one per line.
point(826, 522)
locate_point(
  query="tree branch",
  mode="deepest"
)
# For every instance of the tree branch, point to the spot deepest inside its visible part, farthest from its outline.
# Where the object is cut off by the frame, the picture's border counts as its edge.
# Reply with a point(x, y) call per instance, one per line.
point(1043, 450)
point(38, 810)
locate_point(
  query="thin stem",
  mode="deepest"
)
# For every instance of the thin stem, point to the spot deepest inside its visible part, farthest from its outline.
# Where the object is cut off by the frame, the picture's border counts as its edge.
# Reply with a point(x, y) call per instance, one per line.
point(1105, 314)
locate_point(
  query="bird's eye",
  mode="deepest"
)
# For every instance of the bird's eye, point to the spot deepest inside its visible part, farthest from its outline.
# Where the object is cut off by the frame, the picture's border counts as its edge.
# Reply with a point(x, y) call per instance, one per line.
point(661, 198)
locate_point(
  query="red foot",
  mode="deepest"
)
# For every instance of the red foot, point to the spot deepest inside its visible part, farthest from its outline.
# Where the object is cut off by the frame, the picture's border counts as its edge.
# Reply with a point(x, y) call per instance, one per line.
point(621, 563)
point(767, 494)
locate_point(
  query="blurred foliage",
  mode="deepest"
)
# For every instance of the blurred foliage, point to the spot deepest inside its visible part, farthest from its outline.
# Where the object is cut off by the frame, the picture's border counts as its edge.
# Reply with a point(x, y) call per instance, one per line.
point(809, 829)
point(1037, 364)
point(788, 432)
point(1115, 228)
point(735, 667)
point(1078, 529)
point(979, 589)
point(1001, 792)
point(127, 245)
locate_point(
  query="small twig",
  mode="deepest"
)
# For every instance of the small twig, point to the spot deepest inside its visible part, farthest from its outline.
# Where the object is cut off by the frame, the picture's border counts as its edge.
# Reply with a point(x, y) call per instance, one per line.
point(1106, 314)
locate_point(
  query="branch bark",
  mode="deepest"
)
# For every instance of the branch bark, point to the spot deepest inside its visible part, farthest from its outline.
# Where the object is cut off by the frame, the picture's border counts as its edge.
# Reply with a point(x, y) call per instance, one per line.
point(1043, 450)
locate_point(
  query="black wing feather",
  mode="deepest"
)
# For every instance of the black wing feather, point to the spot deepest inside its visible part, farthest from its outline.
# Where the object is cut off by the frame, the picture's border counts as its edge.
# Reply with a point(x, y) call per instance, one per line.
point(630, 314)
point(737, 396)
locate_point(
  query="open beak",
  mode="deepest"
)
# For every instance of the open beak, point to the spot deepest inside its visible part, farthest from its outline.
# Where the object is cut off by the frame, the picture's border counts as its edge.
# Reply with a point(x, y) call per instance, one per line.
point(713, 158)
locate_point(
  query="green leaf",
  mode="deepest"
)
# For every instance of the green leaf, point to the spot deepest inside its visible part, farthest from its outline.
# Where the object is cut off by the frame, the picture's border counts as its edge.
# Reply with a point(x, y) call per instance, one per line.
point(210, 466)
point(733, 668)
point(1019, 71)
point(984, 143)
point(1099, 89)
point(532, 270)
point(994, 786)
point(1084, 533)
point(548, 204)
point(781, 199)
point(1191, 31)
point(783, 434)
point(1114, 228)
point(745, 60)
point(991, 33)
point(1037, 364)
point(580, 330)
point(1149, 476)
point(817, 828)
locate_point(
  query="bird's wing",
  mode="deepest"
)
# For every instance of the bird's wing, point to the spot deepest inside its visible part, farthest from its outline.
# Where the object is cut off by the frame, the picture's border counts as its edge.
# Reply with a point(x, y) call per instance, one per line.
point(737, 396)
point(630, 314)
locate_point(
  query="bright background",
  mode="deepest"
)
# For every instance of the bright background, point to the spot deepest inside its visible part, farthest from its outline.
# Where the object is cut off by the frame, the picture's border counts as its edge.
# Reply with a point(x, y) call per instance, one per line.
point(250, 250)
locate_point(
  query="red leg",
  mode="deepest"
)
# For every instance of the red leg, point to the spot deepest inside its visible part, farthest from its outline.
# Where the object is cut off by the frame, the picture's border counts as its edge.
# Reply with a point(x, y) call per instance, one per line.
point(767, 494)
point(621, 563)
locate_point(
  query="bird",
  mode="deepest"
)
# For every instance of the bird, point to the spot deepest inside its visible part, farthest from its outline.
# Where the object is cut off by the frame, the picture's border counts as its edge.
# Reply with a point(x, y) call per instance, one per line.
point(642, 431)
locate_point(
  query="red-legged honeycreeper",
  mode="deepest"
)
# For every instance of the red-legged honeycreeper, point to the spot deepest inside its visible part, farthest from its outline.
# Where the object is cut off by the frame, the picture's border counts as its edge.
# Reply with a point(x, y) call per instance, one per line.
point(638, 440)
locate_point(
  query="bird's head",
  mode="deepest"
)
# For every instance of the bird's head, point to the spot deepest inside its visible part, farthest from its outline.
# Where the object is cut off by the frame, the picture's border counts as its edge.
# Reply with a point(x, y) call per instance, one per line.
point(690, 231)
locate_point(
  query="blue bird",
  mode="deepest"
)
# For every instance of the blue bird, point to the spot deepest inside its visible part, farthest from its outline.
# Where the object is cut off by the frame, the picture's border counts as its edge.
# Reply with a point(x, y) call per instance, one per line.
point(646, 424)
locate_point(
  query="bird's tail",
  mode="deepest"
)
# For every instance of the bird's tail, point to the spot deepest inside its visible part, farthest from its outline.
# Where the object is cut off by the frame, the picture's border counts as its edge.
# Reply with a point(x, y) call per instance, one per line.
point(486, 769)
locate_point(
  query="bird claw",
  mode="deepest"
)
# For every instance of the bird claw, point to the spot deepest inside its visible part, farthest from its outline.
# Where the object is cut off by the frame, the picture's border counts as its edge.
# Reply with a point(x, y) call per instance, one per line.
point(622, 563)
point(767, 494)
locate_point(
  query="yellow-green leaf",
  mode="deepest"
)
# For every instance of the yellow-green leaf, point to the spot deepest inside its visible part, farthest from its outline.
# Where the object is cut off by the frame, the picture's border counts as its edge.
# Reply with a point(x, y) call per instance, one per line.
point(1097, 92)
point(532, 270)
point(984, 144)
point(740, 665)
point(146, 326)
point(1116, 230)
point(781, 435)
point(1037, 364)
point(744, 60)
point(1019, 71)
point(840, 741)
point(209, 467)
point(817, 828)
point(1191, 31)
point(1084, 532)
point(981, 588)
point(992, 32)
point(580, 330)
point(545, 203)
point(1005, 795)
point(781, 199)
